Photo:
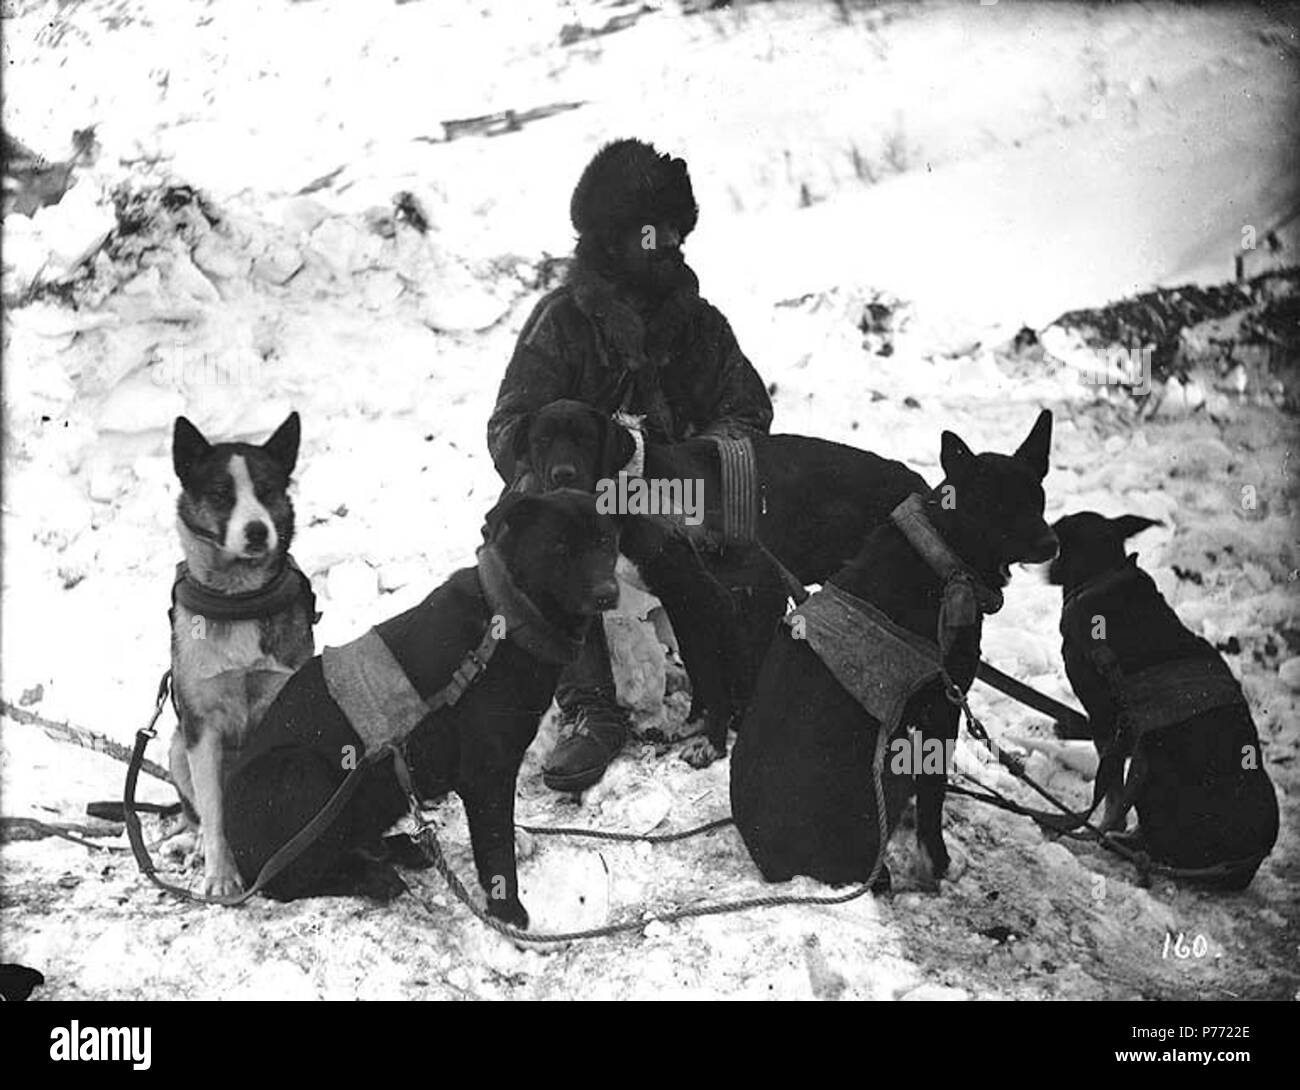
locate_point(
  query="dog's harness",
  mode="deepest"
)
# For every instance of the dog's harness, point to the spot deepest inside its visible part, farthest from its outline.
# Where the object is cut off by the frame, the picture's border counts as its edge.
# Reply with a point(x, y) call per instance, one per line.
point(289, 586)
point(369, 685)
point(881, 664)
point(1164, 695)
point(367, 682)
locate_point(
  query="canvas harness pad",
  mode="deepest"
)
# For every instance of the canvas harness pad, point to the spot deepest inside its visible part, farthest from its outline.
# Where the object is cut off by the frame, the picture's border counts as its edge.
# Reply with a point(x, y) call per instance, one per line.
point(878, 662)
point(372, 690)
point(881, 665)
point(1172, 693)
point(1164, 695)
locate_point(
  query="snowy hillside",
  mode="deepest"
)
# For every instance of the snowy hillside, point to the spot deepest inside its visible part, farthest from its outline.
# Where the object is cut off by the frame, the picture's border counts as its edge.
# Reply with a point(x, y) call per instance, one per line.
point(246, 239)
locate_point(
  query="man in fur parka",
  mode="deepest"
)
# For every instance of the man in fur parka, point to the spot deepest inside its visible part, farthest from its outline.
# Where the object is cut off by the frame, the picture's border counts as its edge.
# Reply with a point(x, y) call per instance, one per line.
point(627, 331)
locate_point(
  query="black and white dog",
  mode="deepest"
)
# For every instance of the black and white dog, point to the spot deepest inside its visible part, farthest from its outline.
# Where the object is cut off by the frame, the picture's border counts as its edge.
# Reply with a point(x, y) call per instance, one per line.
point(241, 616)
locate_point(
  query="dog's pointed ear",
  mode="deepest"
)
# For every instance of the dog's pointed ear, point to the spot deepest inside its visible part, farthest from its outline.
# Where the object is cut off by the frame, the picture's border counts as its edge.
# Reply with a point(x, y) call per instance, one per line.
point(1127, 525)
point(616, 449)
point(954, 456)
point(1036, 448)
point(188, 446)
point(509, 509)
point(283, 444)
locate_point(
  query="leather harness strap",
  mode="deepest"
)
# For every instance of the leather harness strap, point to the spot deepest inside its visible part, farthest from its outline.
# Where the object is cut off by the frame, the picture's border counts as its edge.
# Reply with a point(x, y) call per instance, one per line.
point(910, 517)
point(1165, 694)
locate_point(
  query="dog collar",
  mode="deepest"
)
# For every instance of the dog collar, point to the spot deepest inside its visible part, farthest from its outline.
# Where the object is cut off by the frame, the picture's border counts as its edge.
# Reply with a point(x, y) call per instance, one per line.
point(636, 425)
point(524, 622)
point(1099, 585)
point(285, 588)
point(909, 516)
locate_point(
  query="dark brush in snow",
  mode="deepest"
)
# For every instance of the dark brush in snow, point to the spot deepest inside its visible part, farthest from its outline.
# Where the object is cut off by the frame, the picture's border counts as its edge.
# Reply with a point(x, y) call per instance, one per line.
point(1164, 697)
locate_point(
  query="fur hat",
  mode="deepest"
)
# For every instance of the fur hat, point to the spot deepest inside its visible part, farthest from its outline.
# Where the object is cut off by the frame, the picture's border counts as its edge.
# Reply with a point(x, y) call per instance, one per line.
point(627, 184)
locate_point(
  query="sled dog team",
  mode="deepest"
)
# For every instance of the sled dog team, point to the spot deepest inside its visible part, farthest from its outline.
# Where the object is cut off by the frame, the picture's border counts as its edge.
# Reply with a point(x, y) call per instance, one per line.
point(267, 725)
point(623, 378)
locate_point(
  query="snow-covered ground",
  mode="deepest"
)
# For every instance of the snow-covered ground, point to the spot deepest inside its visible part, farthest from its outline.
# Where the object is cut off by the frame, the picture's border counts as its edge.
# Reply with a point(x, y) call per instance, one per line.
point(988, 165)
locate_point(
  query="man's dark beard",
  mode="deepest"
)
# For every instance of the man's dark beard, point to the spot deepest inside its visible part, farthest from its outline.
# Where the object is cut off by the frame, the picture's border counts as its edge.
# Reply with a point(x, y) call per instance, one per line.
point(665, 273)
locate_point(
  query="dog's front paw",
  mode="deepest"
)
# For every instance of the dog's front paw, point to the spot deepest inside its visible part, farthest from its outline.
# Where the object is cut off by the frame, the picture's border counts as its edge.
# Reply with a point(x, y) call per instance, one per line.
point(699, 752)
point(930, 865)
point(509, 911)
point(222, 885)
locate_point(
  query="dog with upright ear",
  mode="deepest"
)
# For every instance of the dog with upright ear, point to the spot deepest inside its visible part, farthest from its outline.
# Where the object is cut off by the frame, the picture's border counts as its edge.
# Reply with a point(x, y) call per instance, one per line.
point(235, 519)
point(284, 442)
point(955, 457)
point(188, 448)
point(1127, 526)
point(1037, 447)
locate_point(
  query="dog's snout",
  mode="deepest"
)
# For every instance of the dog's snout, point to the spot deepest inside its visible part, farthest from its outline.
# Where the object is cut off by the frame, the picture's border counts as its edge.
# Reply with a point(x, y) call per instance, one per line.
point(563, 475)
point(256, 534)
point(1046, 547)
point(606, 595)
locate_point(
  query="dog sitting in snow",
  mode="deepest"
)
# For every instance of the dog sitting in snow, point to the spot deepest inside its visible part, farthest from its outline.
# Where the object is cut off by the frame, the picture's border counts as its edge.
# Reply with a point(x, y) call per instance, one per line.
point(241, 616)
point(1164, 697)
point(806, 789)
point(457, 685)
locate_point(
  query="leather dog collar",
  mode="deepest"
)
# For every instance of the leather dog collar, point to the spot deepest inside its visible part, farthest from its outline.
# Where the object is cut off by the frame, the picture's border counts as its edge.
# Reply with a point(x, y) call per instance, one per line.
point(284, 589)
point(524, 622)
point(909, 516)
point(1101, 584)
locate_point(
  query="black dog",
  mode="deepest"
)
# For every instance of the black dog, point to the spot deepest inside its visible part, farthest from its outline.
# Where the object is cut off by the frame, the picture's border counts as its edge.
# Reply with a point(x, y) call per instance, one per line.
point(818, 502)
point(1158, 693)
point(547, 568)
point(802, 785)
